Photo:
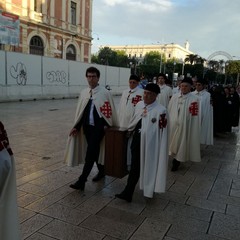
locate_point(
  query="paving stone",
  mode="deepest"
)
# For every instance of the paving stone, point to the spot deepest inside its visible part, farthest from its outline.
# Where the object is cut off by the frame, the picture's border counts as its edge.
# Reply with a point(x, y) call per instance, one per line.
point(225, 226)
point(64, 231)
point(106, 226)
point(222, 185)
point(233, 210)
point(151, 229)
point(216, 197)
point(38, 236)
point(236, 184)
point(48, 200)
point(24, 214)
point(206, 204)
point(27, 199)
point(30, 177)
point(94, 204)
point(179, 187)
point(177, 232)
point(33, 224)
point(176, 209)
point(121, 216)
point(201, 187)
point(172, 196)
point(66, 214)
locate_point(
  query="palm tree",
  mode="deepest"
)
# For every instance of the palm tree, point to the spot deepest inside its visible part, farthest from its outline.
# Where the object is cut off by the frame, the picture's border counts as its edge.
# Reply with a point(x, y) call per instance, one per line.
point(192, 58)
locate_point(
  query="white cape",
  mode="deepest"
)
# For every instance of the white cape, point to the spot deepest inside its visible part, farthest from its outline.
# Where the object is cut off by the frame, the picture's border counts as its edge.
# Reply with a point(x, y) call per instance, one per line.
point(9, 225)
point(126, 109)
point(154, 147)
point(184, 137)
point(76, 145)
point(206, 114)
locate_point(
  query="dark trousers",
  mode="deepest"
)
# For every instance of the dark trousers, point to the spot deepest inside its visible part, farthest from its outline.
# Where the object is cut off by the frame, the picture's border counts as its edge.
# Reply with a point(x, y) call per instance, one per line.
point(134, 173)
point(94, 136)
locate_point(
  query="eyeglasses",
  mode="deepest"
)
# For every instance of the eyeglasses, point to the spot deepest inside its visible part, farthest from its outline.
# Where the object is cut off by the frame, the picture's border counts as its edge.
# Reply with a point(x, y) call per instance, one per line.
point(91, 76)
point(133, 82)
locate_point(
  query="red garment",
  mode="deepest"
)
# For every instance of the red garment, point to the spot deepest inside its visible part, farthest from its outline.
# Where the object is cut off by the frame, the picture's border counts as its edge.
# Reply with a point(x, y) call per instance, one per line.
point(4, 142)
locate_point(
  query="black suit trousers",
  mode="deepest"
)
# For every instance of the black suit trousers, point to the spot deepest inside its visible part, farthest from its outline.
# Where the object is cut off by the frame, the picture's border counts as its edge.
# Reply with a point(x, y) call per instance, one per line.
point(94, 136)
point(134, 173)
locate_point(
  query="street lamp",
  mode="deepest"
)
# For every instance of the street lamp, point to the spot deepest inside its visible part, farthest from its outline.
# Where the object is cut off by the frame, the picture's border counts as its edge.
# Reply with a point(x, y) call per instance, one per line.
point(174, 64)
point(161, 56)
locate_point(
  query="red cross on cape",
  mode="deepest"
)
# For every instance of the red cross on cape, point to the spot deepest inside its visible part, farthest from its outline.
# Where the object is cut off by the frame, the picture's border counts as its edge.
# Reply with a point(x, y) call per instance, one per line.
point(106, 109)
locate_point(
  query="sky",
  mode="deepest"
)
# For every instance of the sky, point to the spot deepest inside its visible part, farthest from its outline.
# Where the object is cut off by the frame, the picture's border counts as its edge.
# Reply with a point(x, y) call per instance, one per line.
point(208, 25)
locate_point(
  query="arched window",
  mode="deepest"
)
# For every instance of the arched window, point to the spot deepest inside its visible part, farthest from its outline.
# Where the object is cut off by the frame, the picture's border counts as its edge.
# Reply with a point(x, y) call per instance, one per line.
point(71, 53)
point(36, 46)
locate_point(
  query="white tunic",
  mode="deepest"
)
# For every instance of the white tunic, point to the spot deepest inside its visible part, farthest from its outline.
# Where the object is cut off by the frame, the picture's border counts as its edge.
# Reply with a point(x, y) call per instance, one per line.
point(184, 124)
point(165, 95)
point(128, 101)
point(76, 145)
point(154, 147)
point(9, 225)
point(206, 114)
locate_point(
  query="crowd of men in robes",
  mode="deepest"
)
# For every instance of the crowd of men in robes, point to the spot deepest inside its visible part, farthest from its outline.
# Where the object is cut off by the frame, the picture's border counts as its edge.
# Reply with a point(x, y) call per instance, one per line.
point(161, 122)
point(146, 122)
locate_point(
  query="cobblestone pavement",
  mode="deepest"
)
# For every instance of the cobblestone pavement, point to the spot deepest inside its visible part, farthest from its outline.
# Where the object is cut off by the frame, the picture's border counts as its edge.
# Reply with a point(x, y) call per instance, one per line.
point(202, 200)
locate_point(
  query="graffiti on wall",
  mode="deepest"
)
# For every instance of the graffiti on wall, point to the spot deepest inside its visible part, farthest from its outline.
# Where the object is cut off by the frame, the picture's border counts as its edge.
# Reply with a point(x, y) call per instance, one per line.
point(19, 72)
point(57, 76)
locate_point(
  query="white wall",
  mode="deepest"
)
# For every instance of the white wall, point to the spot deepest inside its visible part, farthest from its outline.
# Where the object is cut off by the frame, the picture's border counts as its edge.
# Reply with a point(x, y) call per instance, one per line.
point(29, 77)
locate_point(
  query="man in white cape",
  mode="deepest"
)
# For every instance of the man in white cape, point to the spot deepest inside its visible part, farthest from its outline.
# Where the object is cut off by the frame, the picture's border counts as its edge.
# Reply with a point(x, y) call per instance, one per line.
point(95, 112)
point(149, 146)
point(206, 112)
point(9, 223)
point(165, 91)
point(184, 124)
point(130, 97)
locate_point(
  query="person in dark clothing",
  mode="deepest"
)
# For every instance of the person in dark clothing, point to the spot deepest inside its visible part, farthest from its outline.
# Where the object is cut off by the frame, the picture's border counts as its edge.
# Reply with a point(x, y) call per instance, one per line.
point(236, 105)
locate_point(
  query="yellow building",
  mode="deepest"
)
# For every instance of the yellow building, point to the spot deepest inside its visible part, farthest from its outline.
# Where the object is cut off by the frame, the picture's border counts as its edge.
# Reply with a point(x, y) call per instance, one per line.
point(170, 51)
point(54, 28)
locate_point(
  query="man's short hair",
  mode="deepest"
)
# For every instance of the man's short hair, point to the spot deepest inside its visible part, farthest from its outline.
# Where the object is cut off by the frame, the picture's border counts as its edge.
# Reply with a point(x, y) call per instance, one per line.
point(134, 77)
point(93, 70)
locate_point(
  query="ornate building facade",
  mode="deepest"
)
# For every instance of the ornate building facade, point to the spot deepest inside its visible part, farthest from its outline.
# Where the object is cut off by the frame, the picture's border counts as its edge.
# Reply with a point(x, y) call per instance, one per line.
point(169, 51)
point(53, 28)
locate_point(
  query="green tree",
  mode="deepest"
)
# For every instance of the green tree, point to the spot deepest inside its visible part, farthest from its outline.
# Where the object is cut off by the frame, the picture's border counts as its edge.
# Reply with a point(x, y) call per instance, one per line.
point(122, 59)
point(233, 68)
point(107, 56)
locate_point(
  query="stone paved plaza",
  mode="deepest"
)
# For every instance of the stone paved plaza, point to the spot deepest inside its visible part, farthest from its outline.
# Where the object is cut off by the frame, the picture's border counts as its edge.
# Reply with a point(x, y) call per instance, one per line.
point(202, 201)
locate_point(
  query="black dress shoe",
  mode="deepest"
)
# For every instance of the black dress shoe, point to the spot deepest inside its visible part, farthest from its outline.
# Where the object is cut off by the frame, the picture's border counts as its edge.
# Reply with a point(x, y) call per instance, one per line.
point(175, 165)
point(124, 196)
point(78, 185)
point(98, 177)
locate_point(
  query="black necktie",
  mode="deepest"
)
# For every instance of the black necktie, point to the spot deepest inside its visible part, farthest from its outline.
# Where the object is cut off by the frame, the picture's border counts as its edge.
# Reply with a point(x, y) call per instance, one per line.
point(128, 96)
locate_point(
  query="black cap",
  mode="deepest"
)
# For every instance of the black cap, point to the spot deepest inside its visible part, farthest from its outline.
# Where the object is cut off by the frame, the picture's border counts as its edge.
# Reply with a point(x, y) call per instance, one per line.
point(134, 77)
point(152, 87)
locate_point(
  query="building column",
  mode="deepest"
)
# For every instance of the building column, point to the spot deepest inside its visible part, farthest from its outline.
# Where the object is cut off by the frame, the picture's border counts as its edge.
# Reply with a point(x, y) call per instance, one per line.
point(25, 47)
